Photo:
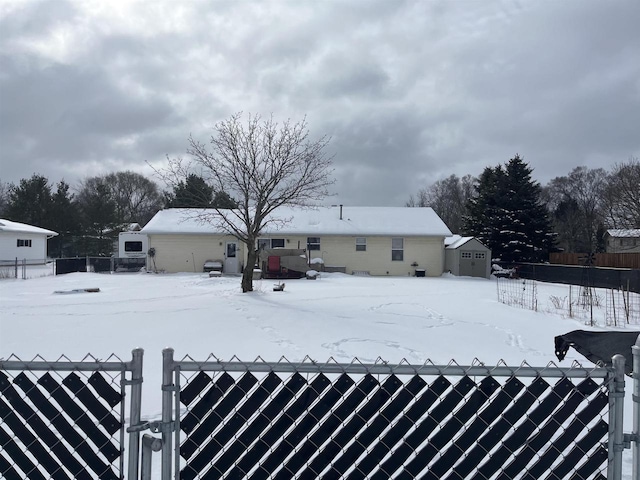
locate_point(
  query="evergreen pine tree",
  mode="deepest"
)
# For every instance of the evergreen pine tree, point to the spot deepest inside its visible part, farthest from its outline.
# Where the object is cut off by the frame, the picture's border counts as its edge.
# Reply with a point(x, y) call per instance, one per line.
point(29, 202)
point(65, 219)
point(194, 192)
point(507, 214)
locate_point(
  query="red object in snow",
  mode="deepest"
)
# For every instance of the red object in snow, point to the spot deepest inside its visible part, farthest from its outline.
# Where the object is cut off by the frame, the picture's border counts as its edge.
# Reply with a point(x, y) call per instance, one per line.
point(274, 263)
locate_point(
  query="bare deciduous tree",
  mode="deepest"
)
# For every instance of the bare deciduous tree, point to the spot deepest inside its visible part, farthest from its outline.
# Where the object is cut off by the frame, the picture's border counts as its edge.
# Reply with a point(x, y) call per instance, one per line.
point(623, 195)
point(262, 165)
point(584, 189)
point(448, 198)
point(4, 196)
point(136, 197)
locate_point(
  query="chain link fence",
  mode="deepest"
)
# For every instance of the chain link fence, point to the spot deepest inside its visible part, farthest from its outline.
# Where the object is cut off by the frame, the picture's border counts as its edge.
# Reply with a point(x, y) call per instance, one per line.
point(66, 420)
point(26, 268)
point(285, 420)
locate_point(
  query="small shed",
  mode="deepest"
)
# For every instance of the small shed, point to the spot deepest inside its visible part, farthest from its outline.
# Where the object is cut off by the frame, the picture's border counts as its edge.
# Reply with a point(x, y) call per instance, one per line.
point(24, 242)
point(467, 256)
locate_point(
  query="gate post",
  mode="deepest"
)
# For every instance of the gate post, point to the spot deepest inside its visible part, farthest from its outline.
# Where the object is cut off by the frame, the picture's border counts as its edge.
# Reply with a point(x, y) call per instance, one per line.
point(616, 417)
point(167, 413)
point(636, 408)
point(149, 444)
point(134, 413)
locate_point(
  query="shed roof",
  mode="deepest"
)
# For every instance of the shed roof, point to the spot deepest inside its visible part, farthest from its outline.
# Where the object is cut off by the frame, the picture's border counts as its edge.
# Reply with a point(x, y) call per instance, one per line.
point(16, 227)
point(373, 221)
point(456, 242)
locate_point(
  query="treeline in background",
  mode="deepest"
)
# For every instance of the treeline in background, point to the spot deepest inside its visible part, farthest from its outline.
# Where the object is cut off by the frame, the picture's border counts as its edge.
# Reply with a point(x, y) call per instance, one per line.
point(504, 207)
point(89, 217)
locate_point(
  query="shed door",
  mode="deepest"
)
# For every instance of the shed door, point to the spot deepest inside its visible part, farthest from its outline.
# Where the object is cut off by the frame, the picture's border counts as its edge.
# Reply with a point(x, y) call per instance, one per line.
point(466, 264)
point(479, 264)
point(473, 263)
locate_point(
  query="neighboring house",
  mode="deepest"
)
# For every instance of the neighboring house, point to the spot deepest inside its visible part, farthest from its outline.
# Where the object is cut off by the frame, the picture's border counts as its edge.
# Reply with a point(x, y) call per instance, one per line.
point(24, 242)
point(622, 240)
point(361, 240)
point(466, 256)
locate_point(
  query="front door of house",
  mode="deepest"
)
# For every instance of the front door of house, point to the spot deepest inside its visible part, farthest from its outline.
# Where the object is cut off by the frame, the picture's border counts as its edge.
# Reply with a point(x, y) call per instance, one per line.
point(231, 258)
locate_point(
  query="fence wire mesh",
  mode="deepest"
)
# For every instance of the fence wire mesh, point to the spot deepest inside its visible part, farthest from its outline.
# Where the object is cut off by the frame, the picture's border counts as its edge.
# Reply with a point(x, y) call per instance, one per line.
point(287, 420)
point(62, 419)
point(518, 292)
point(622, 308)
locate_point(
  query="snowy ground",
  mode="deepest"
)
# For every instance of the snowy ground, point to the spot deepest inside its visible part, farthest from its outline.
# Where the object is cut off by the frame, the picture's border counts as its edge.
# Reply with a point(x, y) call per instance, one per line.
point(339, 316)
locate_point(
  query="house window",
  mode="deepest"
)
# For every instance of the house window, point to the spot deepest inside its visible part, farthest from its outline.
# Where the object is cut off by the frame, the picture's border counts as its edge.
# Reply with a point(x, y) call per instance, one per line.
point(24, 243)
point(479, 255)
point(132, 246)
point(313, 243)
point(465, 254)
point(397, 249)
point(361, 244)
point(270, 243)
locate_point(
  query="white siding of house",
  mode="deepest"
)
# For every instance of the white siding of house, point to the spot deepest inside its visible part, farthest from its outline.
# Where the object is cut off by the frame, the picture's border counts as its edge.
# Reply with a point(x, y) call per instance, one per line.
point(187, 253)
point(427, 252)
point(36, 253)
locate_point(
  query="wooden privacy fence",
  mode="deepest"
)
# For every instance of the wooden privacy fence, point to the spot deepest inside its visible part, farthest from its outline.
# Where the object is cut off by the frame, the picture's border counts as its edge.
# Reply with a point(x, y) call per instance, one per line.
point(614, 260)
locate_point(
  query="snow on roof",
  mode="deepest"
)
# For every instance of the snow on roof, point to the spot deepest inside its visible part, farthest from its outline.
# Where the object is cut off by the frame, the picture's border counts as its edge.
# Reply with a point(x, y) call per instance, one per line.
point(457, 242)
point(624, 232)
point(401, 221)
point(15, 227)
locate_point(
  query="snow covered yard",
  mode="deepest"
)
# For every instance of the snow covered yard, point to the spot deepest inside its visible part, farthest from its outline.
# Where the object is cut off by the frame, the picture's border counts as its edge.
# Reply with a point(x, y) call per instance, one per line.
point(339, 316)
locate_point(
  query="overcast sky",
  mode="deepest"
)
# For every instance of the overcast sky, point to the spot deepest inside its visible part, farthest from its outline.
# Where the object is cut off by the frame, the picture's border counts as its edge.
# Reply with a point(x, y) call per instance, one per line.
point(409, 91)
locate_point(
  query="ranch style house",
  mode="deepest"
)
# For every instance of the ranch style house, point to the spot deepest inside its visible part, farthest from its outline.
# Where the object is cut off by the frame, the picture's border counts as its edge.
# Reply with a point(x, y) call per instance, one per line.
point(355, 240)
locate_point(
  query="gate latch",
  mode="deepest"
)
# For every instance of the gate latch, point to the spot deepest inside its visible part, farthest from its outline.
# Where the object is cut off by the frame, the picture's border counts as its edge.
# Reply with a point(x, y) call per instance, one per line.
point(630, 437)
point(155, 426)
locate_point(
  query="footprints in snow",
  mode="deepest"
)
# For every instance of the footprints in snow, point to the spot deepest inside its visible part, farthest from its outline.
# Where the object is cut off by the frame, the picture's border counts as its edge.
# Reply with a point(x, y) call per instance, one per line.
point(338, 350)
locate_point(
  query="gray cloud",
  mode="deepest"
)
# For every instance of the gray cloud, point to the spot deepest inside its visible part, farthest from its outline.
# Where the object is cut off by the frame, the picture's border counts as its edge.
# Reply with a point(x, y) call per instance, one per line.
point(410, 91)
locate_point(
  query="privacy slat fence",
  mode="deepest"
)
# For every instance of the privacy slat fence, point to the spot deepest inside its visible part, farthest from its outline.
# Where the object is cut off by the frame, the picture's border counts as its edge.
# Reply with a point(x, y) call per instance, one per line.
point(283, 420)
point(65, 420)
point(286, 420)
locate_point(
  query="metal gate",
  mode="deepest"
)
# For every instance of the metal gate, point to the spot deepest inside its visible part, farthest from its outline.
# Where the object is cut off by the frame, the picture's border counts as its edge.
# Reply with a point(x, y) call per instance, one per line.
point(303, 420)
point(65, 420)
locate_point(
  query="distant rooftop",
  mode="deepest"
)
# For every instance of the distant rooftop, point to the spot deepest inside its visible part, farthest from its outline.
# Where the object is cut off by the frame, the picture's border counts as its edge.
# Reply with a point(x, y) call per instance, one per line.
point(16, 227)
point(624, 232)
